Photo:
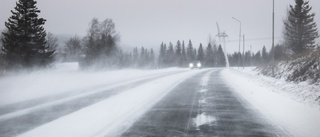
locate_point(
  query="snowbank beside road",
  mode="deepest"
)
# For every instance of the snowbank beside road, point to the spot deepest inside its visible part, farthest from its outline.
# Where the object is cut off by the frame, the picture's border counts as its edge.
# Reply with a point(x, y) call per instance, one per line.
point(65, 78)
point(111, 116)
point(300, 92)
point(297, 118)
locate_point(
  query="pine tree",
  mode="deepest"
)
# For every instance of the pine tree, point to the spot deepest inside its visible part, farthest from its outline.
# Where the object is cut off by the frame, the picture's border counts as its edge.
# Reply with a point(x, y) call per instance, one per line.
point(201, 55)
point(170, 55)
point(300, 27)
point(264, 55)
point(135, 56)
point(194, 54)
point(24, 44)
point(221, 57)
point(257, 58)
point(142, 57)
point(209, 56)
point(162, 55)
point(183, 55)
point(151, 58)
point(190, 52)
point(178, 54)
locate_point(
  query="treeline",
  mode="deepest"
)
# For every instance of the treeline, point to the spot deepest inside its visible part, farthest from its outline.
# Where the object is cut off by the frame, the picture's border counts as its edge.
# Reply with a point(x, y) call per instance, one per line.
point(99, 49)
point(260, 58)
point(25, 44)
point(180, 55)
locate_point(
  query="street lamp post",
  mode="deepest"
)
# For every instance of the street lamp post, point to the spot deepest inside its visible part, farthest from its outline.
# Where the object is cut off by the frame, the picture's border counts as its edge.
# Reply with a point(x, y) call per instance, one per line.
point(239, 40)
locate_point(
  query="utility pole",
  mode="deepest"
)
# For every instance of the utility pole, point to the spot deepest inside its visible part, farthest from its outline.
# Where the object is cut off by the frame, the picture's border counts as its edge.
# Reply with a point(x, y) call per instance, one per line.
point(273, 63)
point(243, 53)
point(239, 41)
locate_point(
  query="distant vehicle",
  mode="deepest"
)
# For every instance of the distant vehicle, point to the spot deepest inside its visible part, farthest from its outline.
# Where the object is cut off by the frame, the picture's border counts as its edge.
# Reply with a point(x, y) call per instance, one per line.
point(196, 64)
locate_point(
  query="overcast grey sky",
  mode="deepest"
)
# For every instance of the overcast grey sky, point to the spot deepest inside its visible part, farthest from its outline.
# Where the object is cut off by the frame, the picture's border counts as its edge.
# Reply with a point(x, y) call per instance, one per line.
point(149, 22)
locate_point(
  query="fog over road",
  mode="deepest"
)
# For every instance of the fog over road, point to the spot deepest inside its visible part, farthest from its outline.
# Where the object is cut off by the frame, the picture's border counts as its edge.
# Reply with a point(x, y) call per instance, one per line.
point(182, 103)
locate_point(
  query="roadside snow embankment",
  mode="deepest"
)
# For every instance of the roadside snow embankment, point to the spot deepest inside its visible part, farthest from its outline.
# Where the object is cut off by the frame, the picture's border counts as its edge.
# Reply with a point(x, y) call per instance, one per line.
point(308, 94)
point(64, 79)
point(273, 99)
point(113, 115)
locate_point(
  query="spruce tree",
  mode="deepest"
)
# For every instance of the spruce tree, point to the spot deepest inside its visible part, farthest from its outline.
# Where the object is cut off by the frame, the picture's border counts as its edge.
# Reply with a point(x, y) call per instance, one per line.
point(142, 57)
point(209, 56)
point(178, 53)
point(183, 55)
point(170, 55)
point(257, 58)
point(221, 57)
point(151, 58)
point(300, 27)
point(162, 55)
point(135, 56)
point(190, 52)
point(200, 54)
point(264, 55)
point(24, 42)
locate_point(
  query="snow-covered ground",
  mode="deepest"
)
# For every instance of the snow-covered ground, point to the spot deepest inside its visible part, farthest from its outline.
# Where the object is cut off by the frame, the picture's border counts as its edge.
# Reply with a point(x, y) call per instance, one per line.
point(66, 78)
point(291, 106)
point(111, 116)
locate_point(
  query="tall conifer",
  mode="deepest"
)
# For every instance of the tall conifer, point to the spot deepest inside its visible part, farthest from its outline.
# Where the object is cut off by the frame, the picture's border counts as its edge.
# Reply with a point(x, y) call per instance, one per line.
point(24, 42)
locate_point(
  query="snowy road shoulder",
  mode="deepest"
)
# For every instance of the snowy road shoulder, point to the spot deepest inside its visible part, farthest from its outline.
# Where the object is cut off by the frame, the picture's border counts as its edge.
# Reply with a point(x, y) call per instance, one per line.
point(295, 117)
point(109, 116)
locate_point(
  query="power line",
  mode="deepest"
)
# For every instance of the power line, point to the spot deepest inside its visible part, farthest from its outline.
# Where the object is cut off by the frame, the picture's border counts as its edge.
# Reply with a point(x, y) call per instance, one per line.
point(256, 39)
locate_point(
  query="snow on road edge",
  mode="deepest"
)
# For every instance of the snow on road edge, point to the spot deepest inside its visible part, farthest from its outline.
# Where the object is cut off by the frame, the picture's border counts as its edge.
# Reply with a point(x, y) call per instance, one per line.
point(298, 119)
point(63, 81)
point(113, 114)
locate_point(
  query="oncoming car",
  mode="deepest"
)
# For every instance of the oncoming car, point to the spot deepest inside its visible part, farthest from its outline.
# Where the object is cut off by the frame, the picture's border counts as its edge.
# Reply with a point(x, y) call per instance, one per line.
point(196, 64)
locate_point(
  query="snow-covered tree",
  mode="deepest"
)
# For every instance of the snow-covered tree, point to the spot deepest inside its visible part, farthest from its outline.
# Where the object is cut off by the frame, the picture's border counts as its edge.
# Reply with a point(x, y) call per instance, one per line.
point(300, 28)
point(24, 42)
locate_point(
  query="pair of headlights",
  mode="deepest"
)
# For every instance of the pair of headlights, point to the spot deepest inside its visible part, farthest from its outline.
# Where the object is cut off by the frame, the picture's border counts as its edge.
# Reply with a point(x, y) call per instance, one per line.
point(191, 65)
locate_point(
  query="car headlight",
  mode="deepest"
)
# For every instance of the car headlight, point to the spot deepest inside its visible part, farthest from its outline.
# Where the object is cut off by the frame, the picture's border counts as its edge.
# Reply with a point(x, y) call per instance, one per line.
point(190, 65)
point(199, 64)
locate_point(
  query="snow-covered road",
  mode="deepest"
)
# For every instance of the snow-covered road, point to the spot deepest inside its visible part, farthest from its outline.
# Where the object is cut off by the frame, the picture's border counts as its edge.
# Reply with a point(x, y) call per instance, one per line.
point(168, 102)
point(112, 114)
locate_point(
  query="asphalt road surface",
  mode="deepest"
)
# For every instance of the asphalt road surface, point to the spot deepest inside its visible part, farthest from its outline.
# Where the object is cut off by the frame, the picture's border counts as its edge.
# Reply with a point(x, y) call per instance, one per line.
point(202, 105)
point(211, 109)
